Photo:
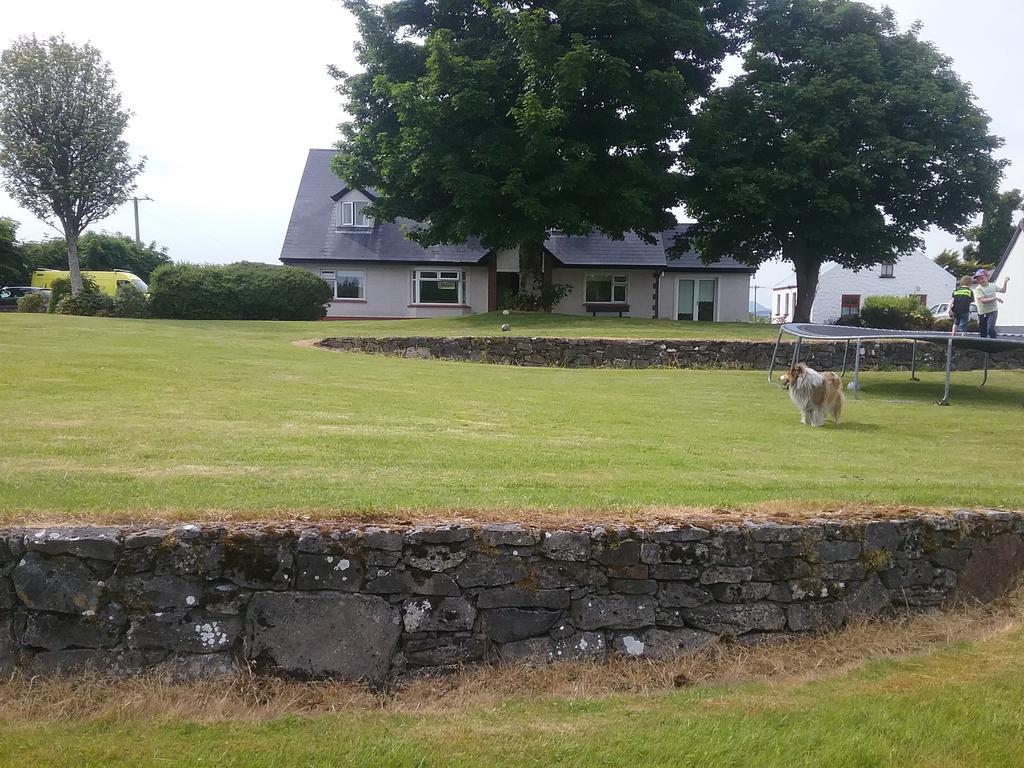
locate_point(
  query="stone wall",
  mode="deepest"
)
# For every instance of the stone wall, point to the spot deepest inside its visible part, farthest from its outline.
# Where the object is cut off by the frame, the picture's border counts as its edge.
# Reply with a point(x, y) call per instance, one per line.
point(667, 353)
point(373, 603)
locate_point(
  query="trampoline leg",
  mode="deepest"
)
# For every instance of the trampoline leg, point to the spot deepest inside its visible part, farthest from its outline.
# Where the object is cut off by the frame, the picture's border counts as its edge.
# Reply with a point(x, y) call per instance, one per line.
point(913, 362)
point(984, 380)
point(846, 353)
point(949, 367)
point(796, 352)
point(775, 352)
point(856, 372)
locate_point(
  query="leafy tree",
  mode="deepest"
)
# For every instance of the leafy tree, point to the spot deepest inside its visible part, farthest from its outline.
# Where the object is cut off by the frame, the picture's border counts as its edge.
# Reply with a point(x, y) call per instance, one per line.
point(61, 145)
point(987, 241)
point(504, 119)
point(13, 267)
point(842, 139)
point(98, 251)
point(951, 261)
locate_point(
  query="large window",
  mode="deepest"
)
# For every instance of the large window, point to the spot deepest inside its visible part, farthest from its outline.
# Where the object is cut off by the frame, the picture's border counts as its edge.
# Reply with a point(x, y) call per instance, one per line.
point(607, 288)
point(352, 213)
point(849, 305)
point(347, 285)
point(430, 286)
point(888, 269)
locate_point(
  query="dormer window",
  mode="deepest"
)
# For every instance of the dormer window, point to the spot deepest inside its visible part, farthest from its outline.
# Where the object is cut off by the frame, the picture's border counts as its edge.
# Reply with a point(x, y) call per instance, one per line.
point(888, 269)
point(352, 213)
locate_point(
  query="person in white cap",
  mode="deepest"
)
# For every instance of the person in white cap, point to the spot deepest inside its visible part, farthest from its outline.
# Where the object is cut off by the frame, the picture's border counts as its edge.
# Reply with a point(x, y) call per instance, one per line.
point(988, 303)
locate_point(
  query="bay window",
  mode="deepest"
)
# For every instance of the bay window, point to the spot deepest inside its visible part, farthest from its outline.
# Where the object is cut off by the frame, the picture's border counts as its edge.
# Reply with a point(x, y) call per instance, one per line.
point(439, 286)
point(607, 288)
point(348, 285)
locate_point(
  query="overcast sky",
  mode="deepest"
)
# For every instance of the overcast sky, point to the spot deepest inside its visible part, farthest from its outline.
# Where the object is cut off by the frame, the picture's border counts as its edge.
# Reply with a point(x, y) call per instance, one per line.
point(229, 95)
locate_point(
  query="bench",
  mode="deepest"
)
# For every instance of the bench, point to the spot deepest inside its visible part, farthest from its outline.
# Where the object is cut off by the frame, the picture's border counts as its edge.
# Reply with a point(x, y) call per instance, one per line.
point(593, 307)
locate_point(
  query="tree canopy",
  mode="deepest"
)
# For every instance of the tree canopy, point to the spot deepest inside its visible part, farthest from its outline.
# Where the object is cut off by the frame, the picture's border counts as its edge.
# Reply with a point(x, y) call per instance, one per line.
point(842, 140)
point(987, 241)
point(98, 251)
point(502, 120)
point(61, 148)
point(13, 267)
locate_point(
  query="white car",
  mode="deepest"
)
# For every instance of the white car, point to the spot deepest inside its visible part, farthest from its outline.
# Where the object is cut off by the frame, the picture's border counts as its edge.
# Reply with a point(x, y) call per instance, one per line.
point(940, 311)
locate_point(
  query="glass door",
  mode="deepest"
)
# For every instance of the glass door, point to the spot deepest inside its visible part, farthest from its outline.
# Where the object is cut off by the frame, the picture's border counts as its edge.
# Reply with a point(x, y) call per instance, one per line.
point(696, 299)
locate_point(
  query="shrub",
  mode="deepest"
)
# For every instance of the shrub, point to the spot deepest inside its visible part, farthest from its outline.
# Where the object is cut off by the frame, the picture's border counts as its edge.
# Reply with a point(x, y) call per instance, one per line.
point(946, 323)
point(61, 287)
point(242, 291)
point(87, 303)
point(853, 321)
point(546, 300)
point(900, 313)
point(32, 302)
point(129, 302)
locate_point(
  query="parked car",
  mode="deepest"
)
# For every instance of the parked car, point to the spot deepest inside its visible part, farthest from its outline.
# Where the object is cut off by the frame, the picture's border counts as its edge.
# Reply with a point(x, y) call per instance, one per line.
point(9, 296)
point(108, 281)
point(941, 310)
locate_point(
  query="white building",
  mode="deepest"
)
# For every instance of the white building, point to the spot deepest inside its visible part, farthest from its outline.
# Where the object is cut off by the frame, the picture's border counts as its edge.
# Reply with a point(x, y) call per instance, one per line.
point(842, 291)
point(1011, 265)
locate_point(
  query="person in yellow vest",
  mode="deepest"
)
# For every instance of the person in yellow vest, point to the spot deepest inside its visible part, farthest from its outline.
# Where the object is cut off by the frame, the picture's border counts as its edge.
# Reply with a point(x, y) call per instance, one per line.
point(960, 308)
point(988, 303)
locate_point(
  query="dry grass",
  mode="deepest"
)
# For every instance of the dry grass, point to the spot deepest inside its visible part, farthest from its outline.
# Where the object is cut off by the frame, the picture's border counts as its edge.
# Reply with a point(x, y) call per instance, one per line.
point(256, 699)
point(569, 518)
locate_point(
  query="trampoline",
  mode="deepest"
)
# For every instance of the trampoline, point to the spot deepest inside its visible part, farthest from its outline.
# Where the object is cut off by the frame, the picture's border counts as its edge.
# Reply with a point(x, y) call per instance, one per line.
point(839, 333)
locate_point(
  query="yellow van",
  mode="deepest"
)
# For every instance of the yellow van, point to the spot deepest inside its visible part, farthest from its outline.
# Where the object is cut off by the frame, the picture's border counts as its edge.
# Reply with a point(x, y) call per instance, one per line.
point(108, 282)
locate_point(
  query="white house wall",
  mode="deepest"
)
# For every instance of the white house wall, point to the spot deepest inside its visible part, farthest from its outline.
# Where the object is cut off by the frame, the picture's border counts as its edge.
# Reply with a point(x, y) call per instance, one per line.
point(1011, 311)
point(639, 289)
point(732, 294)
point(913, 274)
point(388, 290)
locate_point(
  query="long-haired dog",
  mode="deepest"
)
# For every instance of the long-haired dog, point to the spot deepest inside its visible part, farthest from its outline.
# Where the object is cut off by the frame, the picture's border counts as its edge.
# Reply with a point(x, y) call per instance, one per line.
point(817, 395)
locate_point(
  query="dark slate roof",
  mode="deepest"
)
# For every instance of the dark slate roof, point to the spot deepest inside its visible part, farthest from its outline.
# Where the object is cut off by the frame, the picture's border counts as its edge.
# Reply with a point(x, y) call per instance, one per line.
point(690, 259)
point(1009, 249)
point(312, 237)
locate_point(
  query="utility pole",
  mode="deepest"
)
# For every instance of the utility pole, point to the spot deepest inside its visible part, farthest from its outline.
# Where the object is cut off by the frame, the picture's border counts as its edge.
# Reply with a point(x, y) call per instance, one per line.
point(135, 202)
point(755, 287)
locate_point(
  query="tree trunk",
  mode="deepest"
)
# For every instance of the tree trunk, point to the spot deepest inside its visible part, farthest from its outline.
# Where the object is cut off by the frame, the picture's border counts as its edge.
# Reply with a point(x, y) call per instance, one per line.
point(806, 266)
point(75, 273)
point(531, 269)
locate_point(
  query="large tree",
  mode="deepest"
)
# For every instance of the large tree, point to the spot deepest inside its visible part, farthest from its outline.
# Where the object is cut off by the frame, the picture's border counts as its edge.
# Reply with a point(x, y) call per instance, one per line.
point(842, 140)
point(98, 251)
point(61, 146)
point(503, 119)
point(987, 241)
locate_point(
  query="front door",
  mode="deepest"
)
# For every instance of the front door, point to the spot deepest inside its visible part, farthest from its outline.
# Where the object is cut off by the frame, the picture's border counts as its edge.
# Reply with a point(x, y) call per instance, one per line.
point(695, 299)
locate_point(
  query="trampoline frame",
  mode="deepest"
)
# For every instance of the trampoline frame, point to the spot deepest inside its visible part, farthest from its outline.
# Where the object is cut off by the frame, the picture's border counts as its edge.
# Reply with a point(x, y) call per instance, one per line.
point(801, 331)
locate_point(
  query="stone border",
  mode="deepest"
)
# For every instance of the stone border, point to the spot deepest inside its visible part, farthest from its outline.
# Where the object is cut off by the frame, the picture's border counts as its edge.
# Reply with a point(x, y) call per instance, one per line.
point(373, 603)
point(664, 353)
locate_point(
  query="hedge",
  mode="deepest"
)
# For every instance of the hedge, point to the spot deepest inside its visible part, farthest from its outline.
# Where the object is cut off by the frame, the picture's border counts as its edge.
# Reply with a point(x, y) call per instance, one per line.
point(242, 291)
point(901, 313)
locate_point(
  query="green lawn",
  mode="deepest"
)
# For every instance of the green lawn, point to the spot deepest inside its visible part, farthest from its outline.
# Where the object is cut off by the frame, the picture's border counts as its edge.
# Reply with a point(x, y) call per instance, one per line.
point(961, 706)
point(145, 418)
point(533, 324)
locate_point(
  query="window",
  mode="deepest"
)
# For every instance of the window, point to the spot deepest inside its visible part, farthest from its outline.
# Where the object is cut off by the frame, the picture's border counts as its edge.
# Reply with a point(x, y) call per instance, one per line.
point(347, 285)
point(430, 286)
point(352, 213)
point(607, 288)
point(786, 313)
point(850, 305)
point(888, 269)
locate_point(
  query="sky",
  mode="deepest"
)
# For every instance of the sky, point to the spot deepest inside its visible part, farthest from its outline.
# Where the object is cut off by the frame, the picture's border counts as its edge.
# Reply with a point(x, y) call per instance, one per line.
point(228, 96)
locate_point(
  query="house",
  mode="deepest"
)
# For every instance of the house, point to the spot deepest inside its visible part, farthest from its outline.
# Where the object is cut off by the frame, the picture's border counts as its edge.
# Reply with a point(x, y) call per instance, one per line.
point(377, 272)
point(1011, 265)
point(842, 291)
